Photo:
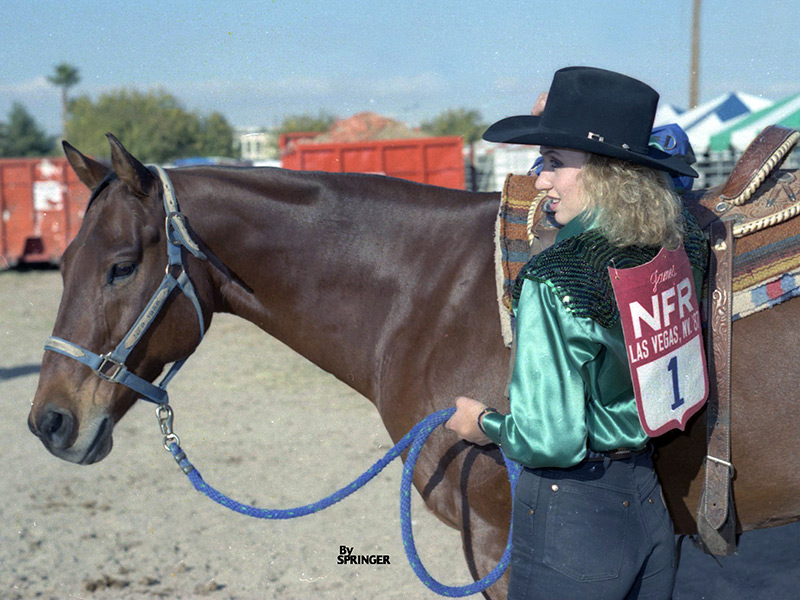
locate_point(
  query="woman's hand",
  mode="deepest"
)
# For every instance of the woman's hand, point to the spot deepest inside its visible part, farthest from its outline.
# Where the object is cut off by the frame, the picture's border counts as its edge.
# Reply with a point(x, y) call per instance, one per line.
point(465, 421)
point(538, 108)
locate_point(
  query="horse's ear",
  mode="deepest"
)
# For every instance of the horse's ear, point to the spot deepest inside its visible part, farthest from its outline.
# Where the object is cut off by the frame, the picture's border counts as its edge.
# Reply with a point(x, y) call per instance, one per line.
point(133, 173)
point(89, 171)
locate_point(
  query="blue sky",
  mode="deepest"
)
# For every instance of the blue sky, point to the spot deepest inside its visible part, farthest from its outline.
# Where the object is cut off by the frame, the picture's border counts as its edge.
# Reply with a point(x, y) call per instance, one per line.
point(258, 61)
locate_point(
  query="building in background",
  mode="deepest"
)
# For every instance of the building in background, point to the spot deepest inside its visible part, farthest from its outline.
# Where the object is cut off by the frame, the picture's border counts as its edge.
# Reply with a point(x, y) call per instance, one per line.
point(493, 162)
point(259, 147)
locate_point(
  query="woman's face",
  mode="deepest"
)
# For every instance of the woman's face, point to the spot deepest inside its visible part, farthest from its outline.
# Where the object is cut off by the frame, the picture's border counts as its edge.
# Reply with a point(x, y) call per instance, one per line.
point(559, 178)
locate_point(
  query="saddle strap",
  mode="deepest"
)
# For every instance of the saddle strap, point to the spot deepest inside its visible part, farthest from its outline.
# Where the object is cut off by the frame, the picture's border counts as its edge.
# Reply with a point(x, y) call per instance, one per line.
point(718, 467)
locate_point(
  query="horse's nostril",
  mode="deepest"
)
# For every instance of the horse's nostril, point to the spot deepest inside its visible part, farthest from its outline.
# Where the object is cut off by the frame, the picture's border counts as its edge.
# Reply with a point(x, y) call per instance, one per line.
point(52, 423)
point(55, 427)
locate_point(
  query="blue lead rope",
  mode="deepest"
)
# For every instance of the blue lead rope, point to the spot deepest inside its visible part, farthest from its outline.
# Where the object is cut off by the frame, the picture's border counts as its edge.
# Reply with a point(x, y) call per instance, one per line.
point(416, 439)
point(405, 516)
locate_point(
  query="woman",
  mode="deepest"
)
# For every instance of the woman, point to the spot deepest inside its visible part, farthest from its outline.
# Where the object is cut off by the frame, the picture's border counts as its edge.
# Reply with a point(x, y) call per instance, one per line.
point(589, 518)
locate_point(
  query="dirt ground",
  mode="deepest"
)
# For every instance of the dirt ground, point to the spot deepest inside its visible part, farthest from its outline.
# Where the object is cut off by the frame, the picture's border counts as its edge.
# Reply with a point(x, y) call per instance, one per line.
point(261, 424)
point(268, 428)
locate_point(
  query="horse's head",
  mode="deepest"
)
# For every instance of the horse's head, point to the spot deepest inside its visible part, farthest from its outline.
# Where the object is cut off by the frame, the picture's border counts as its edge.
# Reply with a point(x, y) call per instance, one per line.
point(110, 271)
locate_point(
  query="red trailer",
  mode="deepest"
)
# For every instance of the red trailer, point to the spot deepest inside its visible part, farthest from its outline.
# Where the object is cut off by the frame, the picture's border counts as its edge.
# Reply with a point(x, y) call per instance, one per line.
point(41, 207)
point(432, 160)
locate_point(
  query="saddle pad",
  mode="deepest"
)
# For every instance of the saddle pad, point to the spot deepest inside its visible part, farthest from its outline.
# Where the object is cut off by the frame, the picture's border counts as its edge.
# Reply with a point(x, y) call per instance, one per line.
point(766, 295)
point(513, 239)
point(767, 250)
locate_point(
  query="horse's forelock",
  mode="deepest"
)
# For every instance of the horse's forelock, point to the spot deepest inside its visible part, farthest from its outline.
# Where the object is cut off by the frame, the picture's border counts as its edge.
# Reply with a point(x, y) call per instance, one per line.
point(104, 183)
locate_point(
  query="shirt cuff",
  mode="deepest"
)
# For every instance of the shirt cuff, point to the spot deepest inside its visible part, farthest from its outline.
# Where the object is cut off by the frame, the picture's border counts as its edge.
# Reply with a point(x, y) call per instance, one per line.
point(493, 425)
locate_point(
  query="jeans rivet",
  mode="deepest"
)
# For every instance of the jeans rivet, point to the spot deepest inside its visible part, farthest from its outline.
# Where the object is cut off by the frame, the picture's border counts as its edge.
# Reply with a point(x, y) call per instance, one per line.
point(554, 487)
point(626, 504)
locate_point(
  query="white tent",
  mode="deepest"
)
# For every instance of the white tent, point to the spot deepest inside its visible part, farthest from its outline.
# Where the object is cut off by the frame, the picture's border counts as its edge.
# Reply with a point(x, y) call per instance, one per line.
point(666, 113)
point(737, 136)
point(703, 121)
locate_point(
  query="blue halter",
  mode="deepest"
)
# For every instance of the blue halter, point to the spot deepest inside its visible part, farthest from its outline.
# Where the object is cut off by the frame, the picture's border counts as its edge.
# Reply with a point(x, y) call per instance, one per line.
point(111, 366)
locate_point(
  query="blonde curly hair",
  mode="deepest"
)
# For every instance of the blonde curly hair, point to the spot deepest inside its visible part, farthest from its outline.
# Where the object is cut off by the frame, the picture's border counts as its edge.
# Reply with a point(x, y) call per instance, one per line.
point(632, 205)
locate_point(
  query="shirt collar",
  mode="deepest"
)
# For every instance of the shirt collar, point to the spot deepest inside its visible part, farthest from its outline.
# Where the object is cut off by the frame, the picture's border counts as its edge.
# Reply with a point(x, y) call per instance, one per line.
point(575, 227)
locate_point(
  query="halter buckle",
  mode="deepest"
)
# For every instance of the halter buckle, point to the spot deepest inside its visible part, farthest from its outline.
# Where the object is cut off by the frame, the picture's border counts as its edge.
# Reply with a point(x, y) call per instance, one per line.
point(173, 229)
point(109, 369)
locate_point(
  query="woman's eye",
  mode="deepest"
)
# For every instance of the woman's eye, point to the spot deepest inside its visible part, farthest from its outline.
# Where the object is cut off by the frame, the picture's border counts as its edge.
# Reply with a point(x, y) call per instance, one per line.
point(121, 271)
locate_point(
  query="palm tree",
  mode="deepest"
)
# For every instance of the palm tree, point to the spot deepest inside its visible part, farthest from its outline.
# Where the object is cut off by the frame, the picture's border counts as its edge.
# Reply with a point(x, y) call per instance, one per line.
point(65, 76)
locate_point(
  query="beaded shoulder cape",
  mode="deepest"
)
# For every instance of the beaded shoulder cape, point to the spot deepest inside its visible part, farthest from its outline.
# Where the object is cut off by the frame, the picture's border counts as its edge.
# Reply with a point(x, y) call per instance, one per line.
point(577, 269)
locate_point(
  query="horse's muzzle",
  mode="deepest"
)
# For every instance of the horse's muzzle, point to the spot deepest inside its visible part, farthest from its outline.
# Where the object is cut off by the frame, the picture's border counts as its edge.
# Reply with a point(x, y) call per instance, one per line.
point(57, 429)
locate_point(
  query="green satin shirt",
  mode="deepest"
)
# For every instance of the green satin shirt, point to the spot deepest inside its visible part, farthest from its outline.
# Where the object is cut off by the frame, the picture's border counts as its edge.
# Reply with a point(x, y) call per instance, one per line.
point(570, 387)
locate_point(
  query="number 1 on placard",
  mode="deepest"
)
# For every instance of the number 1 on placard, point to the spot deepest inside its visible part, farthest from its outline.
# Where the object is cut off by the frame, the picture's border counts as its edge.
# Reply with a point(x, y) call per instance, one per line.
point(672, 367)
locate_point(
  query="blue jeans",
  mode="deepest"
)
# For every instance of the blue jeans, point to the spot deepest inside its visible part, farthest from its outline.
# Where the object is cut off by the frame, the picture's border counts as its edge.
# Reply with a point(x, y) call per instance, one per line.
point(599, 530)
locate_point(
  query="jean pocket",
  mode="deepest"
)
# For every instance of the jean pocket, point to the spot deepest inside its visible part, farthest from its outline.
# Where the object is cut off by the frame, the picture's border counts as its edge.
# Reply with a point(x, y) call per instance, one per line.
point(525, 501)
point(587, 531)
point(522, 551)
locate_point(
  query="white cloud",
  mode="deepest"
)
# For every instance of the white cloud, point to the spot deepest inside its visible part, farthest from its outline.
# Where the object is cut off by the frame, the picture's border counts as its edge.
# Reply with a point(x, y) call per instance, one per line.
point(508, 85)
point(423, 84)
point(37, 87)
point(781, 89)
point(290, 86)
point(301, 87)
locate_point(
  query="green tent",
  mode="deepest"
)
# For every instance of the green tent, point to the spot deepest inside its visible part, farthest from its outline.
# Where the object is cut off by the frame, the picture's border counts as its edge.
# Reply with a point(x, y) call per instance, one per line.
point(737, 137)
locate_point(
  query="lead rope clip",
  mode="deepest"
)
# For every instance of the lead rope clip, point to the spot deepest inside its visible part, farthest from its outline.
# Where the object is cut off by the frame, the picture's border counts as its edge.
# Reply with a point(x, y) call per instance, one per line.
point(165, 418)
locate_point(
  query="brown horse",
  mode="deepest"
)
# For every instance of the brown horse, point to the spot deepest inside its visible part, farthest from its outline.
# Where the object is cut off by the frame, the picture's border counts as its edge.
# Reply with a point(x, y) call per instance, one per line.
point(390, 286)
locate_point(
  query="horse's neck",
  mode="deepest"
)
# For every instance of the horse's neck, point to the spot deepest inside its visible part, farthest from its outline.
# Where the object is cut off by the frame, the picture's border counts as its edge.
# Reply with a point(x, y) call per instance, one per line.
point(339, 267)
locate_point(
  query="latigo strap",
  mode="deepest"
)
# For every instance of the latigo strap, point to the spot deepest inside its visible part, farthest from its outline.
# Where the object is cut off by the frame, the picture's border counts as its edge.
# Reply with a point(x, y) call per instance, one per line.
point(716, 515)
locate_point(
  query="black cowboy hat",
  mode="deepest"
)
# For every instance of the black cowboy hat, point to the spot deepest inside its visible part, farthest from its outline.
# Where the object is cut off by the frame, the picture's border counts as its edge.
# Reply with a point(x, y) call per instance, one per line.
point(596, 111)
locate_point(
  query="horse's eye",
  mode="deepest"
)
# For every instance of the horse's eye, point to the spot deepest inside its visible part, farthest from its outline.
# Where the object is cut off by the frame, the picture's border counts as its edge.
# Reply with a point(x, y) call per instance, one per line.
point(121, 271)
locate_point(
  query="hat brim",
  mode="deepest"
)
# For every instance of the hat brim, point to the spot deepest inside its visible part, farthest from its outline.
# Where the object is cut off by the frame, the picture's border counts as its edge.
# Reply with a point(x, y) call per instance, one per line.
point(527, 129)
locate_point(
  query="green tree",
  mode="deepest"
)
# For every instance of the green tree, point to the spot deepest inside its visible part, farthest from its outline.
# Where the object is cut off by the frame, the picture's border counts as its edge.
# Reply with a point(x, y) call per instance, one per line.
point(457, 121)
point(216, 136)
point(306, 122)
point(22, 137)
point(466, 123)
point(153, 126)
point(65, 76)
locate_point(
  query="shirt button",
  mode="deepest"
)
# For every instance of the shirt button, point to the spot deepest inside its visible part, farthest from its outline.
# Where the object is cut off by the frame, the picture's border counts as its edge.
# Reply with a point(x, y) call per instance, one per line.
point(554, 487)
